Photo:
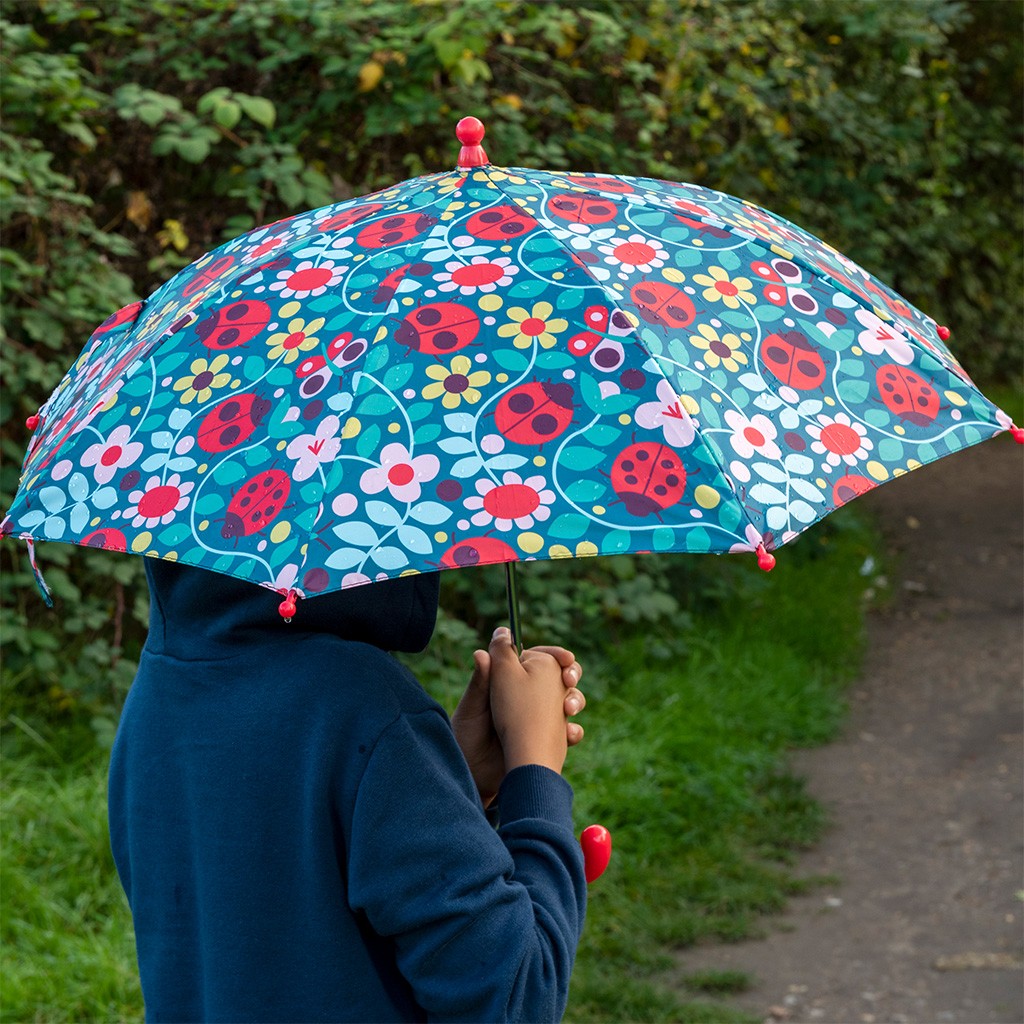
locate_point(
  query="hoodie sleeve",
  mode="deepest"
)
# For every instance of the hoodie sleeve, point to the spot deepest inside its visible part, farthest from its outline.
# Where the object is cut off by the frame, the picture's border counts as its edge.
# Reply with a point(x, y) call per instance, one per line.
point(485, 924)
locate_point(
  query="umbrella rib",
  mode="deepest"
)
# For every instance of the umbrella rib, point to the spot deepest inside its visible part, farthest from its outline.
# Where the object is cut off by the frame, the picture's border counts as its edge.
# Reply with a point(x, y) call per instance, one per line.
point(612, 298)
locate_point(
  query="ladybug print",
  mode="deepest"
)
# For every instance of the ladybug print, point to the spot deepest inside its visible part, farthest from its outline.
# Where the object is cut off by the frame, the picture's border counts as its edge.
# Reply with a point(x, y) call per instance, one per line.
point(663, 305)
point(315, 375)
point(344, 350)
point(386, 289)
point(207, 276)
point(581, 209)
point(606, 354)
point(401, 228)
point(231, 422)
point(648, 477)
point(108, 539)
point(907, 394)
point(347, 218)
point(604, 184)
point(793, 360)
point(438, 329)
point(124, 315)
point(233, 325)
point(535, 413)
point(500, 223)
point(702, 227)
point(258, 501)
point(478, 551)
point(848, 487)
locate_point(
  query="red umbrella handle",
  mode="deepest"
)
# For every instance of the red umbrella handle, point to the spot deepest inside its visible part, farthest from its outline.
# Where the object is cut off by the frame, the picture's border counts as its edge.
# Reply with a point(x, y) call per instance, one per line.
point(596, 841)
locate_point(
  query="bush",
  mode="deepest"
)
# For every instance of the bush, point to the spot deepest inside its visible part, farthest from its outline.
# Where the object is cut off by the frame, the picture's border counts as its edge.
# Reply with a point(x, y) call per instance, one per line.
point(138, 135)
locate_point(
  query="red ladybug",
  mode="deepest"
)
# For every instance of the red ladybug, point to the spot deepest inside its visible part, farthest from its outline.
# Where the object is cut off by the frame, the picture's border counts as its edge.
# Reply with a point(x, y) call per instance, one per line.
point(231, 422)
point(258, 501)
point(109, 539)
point(663, 304)
point(500, 223)
point(348, 217)
point(386, 289)
point(701, 227)
point(601, 183)
point(606, 354)
point(344, 350)
point(794, 360)
point(403, 227)
point(122, 316)
point(208, 275)
point(846, 488)
point(438, 329)
point(233, 325)
point(581, 209)
point(315, 375)
point(478, 551)
point(905, 393)
point(535, 413)
point(648, 477)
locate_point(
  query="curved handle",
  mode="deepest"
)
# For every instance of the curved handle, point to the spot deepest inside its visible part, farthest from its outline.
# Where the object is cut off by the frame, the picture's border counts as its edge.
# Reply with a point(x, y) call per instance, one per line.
point(596, 841)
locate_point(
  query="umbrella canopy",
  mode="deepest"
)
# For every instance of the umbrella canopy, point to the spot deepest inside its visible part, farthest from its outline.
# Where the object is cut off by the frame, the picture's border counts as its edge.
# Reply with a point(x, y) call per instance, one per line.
point(492, 364)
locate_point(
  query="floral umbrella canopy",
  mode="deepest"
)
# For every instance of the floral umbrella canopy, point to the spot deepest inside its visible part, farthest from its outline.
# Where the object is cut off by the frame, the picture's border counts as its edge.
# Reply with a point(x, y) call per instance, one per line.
point(492, 364)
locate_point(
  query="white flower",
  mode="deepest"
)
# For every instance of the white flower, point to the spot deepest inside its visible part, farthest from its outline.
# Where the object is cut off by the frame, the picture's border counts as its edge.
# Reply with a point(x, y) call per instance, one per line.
point(312, 450)
point(117, 452)
point(879, 336)
point(401, 474)
point(513, 502)
point(752, 434)
point(667, 414)
point(839, 440)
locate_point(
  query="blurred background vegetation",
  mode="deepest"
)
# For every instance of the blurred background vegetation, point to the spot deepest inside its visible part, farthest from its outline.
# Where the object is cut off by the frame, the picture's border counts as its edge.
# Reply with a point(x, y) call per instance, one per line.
point(139, 134)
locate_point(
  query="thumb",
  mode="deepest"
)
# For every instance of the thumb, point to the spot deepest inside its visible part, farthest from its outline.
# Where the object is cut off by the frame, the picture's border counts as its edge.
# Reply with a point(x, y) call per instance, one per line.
point(501, 649)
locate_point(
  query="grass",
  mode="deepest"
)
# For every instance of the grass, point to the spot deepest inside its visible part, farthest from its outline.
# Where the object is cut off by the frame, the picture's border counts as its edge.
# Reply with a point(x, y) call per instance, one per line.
point(684, 762)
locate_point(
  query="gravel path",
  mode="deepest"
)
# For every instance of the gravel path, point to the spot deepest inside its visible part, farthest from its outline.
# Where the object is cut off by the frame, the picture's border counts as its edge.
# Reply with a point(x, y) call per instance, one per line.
point(924, 923)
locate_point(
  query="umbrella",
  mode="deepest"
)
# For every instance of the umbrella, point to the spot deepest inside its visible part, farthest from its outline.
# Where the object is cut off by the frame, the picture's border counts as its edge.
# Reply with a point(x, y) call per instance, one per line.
point(489, 365)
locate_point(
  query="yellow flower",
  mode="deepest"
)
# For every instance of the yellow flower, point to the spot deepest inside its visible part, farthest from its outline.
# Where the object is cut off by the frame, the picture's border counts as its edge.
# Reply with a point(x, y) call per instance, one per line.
point(719, 288)
point(533, 325)
point(202, 379)
point(724, 351)
point(456, 384)
point(300, 337)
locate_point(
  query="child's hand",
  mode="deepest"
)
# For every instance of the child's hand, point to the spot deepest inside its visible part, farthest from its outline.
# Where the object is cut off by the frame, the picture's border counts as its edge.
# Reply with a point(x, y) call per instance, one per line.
point(474, 726)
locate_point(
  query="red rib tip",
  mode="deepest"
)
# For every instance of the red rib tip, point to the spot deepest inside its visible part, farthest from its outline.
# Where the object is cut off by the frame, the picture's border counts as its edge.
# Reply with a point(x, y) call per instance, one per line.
point(765, 559)
point(470, 132)
point(32, 423)
point(286, 609)
point(943, 332)
point(1018, 434)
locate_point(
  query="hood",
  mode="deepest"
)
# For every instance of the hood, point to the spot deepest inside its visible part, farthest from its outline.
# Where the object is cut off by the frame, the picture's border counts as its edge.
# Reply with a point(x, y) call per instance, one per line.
point(197, 614)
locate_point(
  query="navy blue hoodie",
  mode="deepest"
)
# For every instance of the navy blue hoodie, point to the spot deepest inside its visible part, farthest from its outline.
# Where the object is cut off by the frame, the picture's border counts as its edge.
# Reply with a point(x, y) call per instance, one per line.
point(299, 836)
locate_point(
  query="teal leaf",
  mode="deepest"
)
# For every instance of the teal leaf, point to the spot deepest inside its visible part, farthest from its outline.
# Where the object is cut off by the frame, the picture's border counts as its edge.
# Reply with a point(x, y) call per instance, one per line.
point(415, 540)
point(344, 558)
point(581, 459)
point(389, 558)
point(568, 526)
point(382, 513)
point(431, 513)
point(368, 441)
point(356, 532)
point(469, 466)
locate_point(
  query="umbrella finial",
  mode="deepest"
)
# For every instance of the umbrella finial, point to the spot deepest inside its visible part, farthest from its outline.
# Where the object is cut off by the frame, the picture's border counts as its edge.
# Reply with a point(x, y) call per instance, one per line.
point(943, 332)
point(470, 132)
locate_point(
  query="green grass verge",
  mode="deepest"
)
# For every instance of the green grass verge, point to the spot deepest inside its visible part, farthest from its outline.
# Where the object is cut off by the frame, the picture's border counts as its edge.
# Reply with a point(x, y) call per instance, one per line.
point(684, 761)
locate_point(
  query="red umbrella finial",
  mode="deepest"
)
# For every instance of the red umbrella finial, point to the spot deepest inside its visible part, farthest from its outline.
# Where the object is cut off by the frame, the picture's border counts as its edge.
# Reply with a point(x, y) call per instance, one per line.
point(765, 559)
point(943, 332)
point(470, 132)
point(1017, 433)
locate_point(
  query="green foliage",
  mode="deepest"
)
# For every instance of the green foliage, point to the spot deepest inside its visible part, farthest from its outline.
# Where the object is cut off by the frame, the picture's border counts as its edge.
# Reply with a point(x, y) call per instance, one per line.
point(138, 135)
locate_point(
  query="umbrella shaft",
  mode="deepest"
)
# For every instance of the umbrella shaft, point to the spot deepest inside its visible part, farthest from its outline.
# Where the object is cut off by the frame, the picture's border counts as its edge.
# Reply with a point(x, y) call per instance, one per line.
point(513, 606)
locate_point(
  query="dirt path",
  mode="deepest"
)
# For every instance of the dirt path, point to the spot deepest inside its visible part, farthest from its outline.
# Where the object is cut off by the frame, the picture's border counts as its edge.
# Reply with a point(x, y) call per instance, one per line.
point(925, 785)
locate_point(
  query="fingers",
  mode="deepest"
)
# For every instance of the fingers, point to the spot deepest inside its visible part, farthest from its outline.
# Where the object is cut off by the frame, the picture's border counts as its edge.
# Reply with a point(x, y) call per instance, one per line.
point(572, 671)
point(481, 669)
point(575, 702)
point(573, 733)
point(560, 654)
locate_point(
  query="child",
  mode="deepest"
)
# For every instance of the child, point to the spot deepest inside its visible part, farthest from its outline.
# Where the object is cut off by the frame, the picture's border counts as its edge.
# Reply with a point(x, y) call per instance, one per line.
point(300, 835)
